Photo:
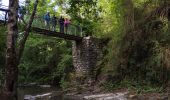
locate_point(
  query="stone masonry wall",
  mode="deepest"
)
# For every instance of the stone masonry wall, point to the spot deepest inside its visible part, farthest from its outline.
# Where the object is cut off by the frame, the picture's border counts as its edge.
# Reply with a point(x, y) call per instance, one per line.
point(86, 53)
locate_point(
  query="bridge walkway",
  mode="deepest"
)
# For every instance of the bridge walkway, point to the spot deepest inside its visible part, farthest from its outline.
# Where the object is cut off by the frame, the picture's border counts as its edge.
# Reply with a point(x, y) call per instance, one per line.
point(74, 32)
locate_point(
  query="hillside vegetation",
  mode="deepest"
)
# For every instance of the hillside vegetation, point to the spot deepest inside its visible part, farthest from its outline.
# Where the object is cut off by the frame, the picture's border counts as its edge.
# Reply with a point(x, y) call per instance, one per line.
point(136, 56)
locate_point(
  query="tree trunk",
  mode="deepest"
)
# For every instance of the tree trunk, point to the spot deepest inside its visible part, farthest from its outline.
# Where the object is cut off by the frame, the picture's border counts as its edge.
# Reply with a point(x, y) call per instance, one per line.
point(129, 15)
point(9, 91)
point(11, 70)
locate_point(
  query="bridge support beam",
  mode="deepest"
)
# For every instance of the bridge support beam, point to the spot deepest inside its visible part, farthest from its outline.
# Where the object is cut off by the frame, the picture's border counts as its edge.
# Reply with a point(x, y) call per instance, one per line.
point(86, 53)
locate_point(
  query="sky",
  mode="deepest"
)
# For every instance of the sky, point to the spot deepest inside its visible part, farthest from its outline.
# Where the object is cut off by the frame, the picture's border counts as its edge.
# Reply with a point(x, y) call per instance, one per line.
point(6, 2)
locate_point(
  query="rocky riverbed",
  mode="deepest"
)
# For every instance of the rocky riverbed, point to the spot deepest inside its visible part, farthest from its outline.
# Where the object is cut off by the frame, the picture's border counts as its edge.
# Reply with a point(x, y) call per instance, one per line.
point(46, 92)
point(122, 94)
point(105, 96)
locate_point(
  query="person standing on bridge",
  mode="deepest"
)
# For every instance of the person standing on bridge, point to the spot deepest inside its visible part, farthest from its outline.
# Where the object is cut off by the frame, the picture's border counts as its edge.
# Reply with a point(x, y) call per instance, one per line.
point(47, 20)
point(61, 22)
point(66, 24)
point(54, 22)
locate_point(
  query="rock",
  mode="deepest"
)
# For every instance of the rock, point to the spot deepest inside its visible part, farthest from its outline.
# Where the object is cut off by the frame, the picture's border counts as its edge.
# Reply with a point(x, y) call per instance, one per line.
point(141, 97)
point(32, 84)
point(164, 98)
point(28, 85)
point(42, 96)
point(153, 98)
point(108, 96)
point(132, 96)
point(29, 97)
point(45, 86)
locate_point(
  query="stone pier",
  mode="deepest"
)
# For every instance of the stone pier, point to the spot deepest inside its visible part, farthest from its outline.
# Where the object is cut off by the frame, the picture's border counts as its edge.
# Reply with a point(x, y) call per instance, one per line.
point(86, 53)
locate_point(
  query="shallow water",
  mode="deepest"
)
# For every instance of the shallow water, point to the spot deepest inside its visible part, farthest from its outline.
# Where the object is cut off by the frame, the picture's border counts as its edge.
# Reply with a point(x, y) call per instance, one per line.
point(34, 91)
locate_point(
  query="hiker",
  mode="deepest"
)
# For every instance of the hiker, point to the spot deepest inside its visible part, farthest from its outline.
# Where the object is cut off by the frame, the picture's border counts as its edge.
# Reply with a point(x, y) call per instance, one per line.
point(54, 22)
point(61, 22)
point(21, 13)
point(66, 24)
point(47, 20)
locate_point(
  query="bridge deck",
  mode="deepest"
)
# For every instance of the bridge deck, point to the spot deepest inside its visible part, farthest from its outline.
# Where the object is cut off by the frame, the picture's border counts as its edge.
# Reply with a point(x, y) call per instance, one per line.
point(53, 33)
point(56, 34)
point(42, 31)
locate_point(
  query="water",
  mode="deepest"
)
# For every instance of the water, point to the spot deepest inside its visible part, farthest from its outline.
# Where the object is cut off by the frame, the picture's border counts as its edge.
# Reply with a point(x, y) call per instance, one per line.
point(56, 94)
point(34, 91)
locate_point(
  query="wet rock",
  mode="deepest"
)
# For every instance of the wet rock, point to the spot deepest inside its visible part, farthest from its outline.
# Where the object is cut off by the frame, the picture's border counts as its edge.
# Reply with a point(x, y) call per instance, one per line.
point(29, 97)
point(132, 97)
point(45, 86)
point(109, 96)
point(42, 97)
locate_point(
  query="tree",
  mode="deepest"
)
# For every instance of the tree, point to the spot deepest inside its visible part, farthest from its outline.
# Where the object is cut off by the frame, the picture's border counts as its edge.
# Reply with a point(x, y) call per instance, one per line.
point(13, 54)
point(129, 14)
point(85, 12)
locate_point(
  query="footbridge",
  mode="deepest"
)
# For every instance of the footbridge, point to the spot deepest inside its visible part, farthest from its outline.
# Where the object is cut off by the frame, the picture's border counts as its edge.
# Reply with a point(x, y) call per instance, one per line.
point(86, 51)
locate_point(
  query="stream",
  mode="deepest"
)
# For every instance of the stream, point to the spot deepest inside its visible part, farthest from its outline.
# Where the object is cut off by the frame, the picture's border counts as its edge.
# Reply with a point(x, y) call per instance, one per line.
point(40, 93)
point(46, 92)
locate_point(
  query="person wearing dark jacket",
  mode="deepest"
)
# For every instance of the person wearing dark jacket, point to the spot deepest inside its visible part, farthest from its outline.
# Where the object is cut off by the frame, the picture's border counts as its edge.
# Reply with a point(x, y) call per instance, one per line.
point(61, 22)
point(54, 22)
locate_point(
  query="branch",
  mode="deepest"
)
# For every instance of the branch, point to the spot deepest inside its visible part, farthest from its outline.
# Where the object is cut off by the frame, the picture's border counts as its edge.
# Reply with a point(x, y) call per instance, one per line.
point(26, 33)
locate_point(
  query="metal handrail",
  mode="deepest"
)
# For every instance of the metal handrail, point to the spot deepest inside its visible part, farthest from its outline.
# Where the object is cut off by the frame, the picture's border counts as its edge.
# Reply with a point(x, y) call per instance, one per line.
point(39, 22)
point(3, 6)
point(72, 29)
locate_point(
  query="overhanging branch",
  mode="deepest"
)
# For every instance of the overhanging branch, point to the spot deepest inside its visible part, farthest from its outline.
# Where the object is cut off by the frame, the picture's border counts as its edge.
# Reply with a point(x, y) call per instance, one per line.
point(26, 33)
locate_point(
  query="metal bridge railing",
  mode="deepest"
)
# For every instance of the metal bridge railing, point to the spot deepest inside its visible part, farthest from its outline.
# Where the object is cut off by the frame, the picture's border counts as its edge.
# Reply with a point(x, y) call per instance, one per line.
point(3, 12)
point(39, 22)
point(3, 6)
point(72, 29)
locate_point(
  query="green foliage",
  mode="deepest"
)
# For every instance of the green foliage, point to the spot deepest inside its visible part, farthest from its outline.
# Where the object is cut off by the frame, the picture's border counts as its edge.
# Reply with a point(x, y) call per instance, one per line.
point(139, 87)
point(84, 9)
point(85, 13)
point(65, 84)
point(45, 60)
point(44, 6)
point(137, 54)
point(140, 54)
